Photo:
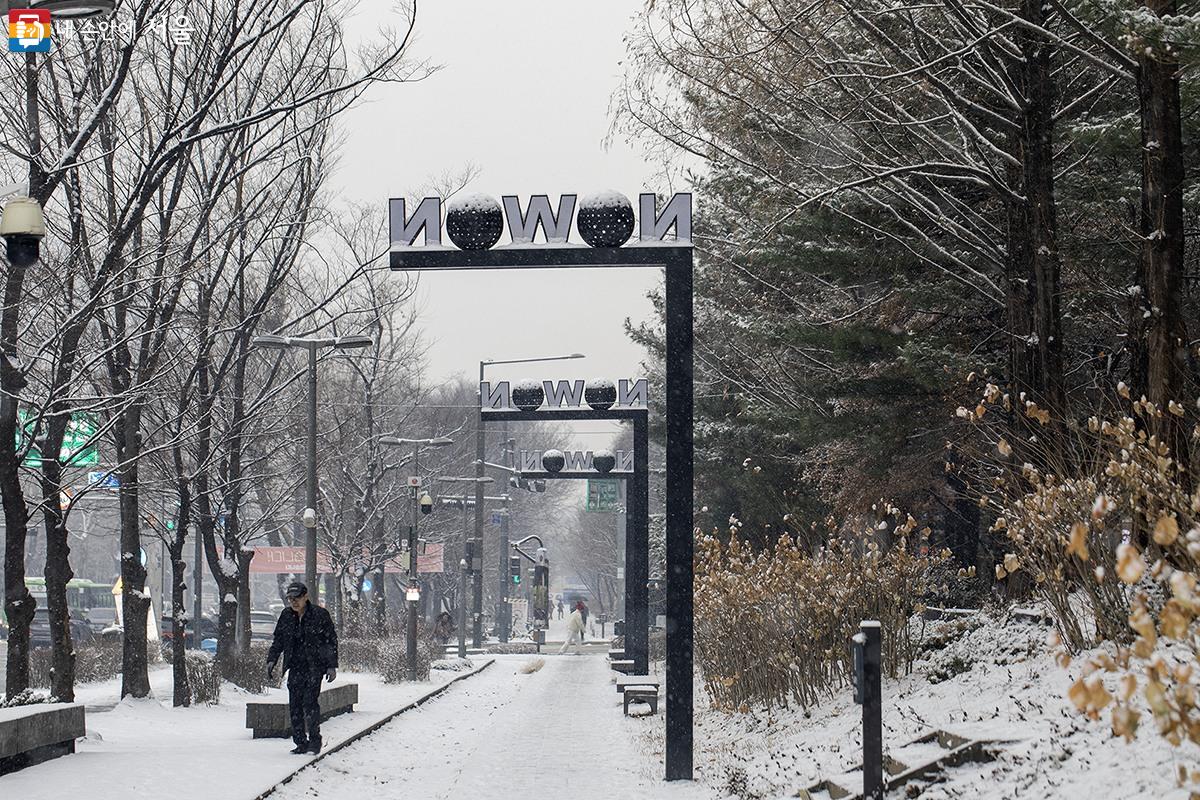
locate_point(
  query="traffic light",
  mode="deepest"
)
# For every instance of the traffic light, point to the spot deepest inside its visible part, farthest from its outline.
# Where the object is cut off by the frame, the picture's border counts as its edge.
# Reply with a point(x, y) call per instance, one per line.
point(514, 570)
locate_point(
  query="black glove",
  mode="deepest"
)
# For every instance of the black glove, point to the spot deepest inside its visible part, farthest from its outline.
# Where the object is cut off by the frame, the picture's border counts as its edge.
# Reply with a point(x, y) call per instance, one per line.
point(270, 670)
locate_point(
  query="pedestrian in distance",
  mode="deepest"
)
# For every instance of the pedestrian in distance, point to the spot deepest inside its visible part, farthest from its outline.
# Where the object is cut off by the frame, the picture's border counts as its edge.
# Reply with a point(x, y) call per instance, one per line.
point(560, 608)
point(574, 631)
point(307, 640)
point(443, 628)
point(583, 610)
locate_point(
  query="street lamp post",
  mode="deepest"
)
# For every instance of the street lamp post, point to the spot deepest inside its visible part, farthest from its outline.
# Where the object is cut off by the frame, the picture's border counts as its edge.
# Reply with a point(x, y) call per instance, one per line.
point(418, 501)
point(309, 518)
point(479, 481)
point(503, 611)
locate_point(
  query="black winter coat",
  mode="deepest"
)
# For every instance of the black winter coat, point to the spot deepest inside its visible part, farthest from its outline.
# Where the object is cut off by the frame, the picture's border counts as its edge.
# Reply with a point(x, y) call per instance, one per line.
point(314, 639)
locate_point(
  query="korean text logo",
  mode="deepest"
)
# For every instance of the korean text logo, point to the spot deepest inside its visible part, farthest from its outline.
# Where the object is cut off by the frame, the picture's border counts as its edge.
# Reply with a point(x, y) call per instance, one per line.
point(28, 30)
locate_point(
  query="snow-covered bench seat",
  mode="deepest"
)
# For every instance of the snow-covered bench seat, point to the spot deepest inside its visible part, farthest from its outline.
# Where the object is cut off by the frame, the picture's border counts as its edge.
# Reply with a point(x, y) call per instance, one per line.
point(36, 733)
point(270, 718)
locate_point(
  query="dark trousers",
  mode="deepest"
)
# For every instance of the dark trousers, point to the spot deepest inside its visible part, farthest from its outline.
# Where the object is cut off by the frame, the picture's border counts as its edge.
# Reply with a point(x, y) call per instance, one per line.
point(304, 691)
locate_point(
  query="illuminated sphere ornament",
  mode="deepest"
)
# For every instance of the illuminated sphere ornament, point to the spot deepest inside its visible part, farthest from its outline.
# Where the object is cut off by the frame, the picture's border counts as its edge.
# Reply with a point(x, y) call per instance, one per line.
point(603, 460)
point(605, 219)
point(600, 395)
point(528, 395)
point(474, 222)
point(553, 460)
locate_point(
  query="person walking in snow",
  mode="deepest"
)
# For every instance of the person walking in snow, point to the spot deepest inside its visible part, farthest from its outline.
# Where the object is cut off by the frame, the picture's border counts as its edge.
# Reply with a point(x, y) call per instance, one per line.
point(574, 630)
point(583, 611)
point(307, 640)
point(560, 608)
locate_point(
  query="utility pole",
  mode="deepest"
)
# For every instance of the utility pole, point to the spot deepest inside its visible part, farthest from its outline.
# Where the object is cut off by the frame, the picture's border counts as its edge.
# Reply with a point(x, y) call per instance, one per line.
point(411, 643)
point(480, 452)
point(503, 607)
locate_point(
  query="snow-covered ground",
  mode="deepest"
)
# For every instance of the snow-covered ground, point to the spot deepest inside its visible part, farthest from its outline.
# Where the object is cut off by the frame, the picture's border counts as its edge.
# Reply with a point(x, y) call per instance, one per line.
point(147, 749)
point(504, 735)
point(1009, 690)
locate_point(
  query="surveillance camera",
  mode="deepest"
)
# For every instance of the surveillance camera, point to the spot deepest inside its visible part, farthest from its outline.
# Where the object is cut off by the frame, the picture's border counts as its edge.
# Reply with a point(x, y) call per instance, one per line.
point(309, 518)
point(22, 226)
point(426, 504)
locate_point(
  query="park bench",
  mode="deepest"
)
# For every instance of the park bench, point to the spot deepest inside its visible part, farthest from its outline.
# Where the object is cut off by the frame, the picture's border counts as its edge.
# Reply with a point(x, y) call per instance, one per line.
point(640, 694)
point(623, 665)
point(270, 718)
point(625, 681)
point(638, 689)
point(616, 654)
point(36, 733)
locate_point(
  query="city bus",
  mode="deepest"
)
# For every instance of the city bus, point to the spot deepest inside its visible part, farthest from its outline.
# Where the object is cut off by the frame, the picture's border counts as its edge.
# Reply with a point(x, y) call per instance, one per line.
point(87, 600)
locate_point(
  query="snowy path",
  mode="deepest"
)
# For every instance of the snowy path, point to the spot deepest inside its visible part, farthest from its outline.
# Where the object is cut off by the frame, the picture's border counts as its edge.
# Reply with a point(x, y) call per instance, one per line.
point(558, 732)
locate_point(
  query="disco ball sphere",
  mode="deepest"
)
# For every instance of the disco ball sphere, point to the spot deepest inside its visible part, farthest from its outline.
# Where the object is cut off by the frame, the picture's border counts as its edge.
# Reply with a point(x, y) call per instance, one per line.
point(474, 222)
point(600, 395)
point(604, 460)
point(605, 219)
point(528, 395)
point(553, 460)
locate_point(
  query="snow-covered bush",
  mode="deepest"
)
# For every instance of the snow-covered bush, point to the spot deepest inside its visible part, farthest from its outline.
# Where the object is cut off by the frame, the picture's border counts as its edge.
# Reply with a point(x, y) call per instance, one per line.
point(203, 677)
point(25, 697)
point(359, 655)
point(250, 668)
point(774, 626)
point(96, 661)
point(393, 659)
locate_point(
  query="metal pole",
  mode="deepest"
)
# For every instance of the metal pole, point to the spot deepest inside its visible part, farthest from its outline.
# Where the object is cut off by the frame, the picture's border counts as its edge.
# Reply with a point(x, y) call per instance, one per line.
point(504, 609)
point(872, 712)
point(198, 579)
point(637, 551)
point(480, 447)
point(678, 308)
point(462, 605)
point(411, 650)
point(310, 535)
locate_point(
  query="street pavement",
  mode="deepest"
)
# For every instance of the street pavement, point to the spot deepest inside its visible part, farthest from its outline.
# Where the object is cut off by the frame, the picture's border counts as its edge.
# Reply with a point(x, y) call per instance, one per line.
point(555, 733)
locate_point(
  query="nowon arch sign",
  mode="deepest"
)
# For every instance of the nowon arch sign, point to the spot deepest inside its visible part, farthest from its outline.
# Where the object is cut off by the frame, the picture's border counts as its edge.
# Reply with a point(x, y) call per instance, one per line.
point(474, 225)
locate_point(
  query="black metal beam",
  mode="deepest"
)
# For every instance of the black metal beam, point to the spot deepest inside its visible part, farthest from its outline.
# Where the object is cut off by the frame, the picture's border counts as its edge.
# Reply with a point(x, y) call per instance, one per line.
point(561, 414)
point(637, 552)
point(577, 475)
point(680, 546)
point(538, 257)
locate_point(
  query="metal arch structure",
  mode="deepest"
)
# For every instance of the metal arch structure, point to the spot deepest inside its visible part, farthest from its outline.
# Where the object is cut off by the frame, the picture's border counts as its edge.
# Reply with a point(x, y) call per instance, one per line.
point(637, 526)
point(675, 259)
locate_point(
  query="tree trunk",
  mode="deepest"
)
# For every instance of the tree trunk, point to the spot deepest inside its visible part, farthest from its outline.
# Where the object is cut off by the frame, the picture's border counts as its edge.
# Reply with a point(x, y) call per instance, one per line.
point(1159, 330)
point(1034, 266)
point(19, 604)
point(183, 690)
point(58, 563)
point(135, 603)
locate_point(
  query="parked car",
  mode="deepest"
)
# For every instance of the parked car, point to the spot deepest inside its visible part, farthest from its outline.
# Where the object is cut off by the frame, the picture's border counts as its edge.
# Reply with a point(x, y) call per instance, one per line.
point(208, 628)
point(39, 629)
point(262, 626)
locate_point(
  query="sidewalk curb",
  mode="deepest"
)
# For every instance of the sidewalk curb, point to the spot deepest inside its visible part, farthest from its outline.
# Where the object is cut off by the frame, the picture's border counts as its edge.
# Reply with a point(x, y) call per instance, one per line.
point(378, 724)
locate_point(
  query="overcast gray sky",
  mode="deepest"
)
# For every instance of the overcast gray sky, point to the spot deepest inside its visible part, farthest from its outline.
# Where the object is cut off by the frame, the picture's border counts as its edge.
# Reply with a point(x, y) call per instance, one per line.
point(523, 95)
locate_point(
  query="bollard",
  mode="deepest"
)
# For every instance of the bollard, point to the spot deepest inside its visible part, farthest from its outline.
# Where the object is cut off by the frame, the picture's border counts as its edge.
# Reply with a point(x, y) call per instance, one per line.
point(868, 692)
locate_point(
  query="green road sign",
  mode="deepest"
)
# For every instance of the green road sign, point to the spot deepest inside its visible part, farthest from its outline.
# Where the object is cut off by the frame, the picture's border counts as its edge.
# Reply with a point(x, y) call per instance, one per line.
point(604, 494)
point(78, 447)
